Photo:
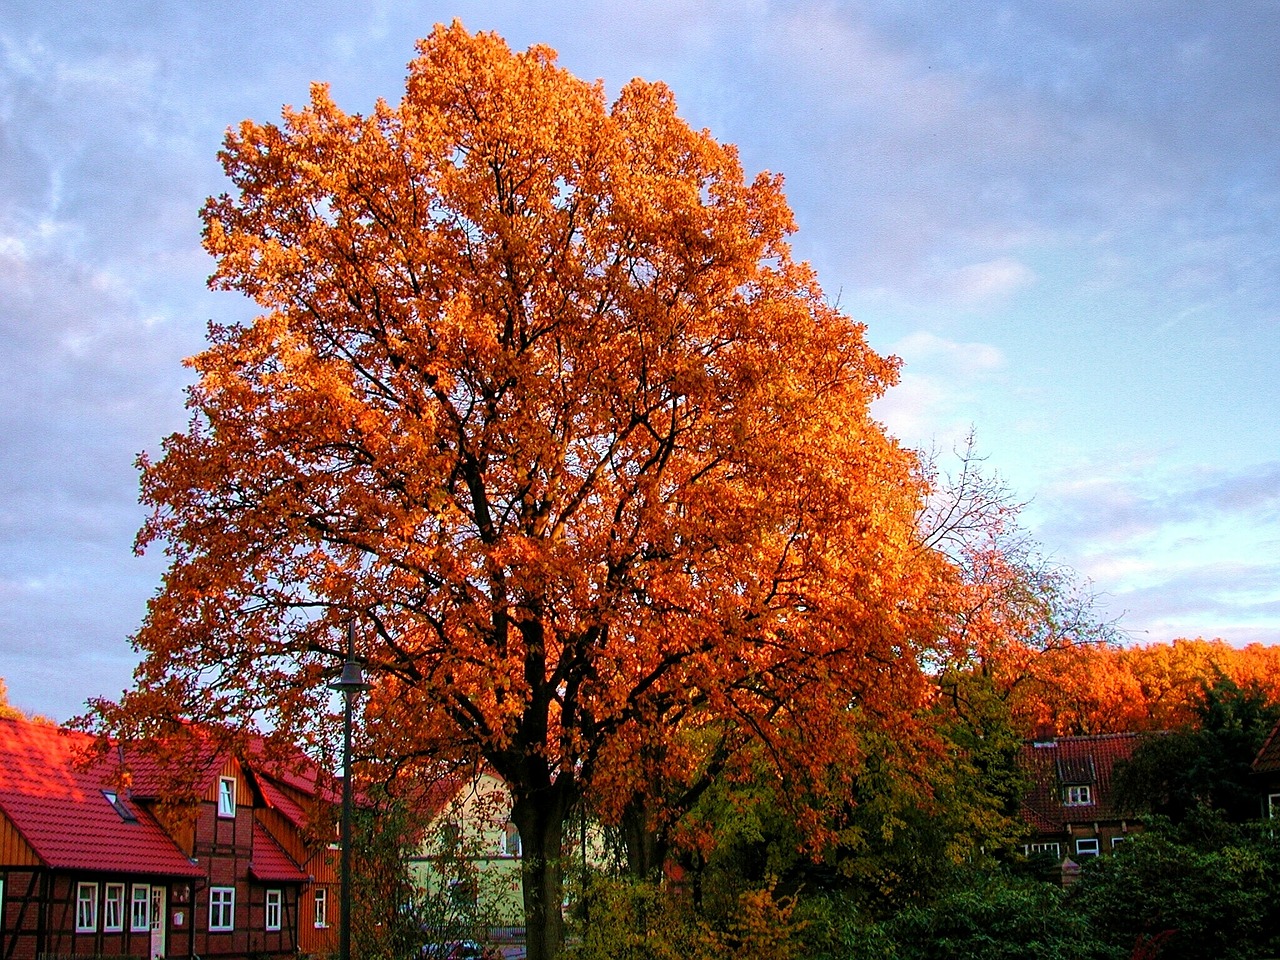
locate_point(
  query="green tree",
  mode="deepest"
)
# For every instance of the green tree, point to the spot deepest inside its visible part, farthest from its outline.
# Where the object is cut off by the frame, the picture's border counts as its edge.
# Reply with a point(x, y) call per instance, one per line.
point(996, 917)
point(388, 912)
point(1207, 889)
point(1208, 764)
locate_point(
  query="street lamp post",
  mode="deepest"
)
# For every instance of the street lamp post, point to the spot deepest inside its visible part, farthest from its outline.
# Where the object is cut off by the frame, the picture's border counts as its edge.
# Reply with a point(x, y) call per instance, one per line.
point(349, 684)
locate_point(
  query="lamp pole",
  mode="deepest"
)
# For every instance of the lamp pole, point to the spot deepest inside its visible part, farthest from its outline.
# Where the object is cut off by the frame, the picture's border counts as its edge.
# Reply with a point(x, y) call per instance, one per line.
point(349, 684)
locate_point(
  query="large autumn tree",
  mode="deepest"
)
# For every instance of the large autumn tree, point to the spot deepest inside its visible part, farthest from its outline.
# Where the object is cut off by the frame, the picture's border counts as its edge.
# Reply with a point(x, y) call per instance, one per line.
point(540, 401)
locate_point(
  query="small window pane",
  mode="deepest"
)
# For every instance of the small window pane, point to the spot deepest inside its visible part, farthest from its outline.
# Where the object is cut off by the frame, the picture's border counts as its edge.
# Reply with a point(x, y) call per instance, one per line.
point(222, 908)
point(140, 908)
point(322, 908)
point(113, 907)
point(273, 910)
point(1079, 796)
point(226, 797)
point(86, 908)
point(511, 841)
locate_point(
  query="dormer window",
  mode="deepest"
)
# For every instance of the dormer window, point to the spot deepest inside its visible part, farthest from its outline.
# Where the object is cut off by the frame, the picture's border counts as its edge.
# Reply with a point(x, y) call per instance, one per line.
point(226, 796)
point(1080, 795)
point(1077, 776)
point(119, 806)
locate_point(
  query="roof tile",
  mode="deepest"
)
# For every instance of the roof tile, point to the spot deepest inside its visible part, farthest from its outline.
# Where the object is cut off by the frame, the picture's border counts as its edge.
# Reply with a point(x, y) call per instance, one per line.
point(58, 806)
point(1073, 761)
point(270, 863)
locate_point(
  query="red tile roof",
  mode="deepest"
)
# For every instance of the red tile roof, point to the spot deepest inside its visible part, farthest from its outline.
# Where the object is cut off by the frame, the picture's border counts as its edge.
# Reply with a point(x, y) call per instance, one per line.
point(270, 863)
point(1082, 761)
point(60, 810)
point(281, 801)
point(1268, 759)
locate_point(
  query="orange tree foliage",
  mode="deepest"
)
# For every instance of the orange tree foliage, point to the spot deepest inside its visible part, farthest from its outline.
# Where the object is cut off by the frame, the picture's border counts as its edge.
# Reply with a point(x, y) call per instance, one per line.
point(1141, 688)
point(539, 398)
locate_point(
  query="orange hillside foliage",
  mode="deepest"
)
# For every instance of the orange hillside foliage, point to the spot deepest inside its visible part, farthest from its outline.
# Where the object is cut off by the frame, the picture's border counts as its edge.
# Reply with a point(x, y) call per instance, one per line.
point(1155, 686)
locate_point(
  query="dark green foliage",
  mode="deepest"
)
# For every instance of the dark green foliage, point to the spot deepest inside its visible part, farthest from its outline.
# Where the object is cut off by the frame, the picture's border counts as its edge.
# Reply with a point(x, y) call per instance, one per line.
point(1210, 889)
point(393, 916)
point(1171, 774)
point(385, 915)
point(994, 917)
point(918, 869)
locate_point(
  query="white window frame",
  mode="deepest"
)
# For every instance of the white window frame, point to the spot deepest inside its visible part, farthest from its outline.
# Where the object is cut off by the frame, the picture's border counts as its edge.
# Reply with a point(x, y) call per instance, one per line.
point(1079, 795)
point(1273, 806)
point(222, 909)
point(139, 923)
point(273, 910)
point(226, 797)
point(86, 907)
point(511, 845)
point(1083, 844)
point(1052, 847)
point(322, 908)
point(113, 908)
point(1116, 841)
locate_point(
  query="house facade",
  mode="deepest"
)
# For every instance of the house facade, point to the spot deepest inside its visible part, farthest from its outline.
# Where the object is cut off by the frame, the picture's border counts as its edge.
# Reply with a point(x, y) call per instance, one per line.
point(90, 867)
point(1266, 775)
point(1070, 805)
point(470, 853)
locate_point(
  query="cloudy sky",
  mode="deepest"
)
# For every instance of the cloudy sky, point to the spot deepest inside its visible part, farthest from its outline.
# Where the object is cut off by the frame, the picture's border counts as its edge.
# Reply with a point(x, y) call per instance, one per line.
point(1063, 215)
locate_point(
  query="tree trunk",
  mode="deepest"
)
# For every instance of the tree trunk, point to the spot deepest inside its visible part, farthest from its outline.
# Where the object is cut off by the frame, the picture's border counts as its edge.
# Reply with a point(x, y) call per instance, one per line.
point(540, 818)
point(645, 846)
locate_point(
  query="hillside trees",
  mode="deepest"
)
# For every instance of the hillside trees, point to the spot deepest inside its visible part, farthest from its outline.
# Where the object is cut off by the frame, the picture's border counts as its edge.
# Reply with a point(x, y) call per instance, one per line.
point(539, 399)
point(1143, 687)
point(1207, 763)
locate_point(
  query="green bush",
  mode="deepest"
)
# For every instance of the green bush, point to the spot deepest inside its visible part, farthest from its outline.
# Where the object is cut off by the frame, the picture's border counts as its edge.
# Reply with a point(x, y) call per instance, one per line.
point(1209, 893)
point(996, 917)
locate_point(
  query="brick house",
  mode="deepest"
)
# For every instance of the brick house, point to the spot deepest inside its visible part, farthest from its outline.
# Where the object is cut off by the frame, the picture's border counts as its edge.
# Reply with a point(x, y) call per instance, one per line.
point(1070, 804)
point(1266, 773)
point(89, 867)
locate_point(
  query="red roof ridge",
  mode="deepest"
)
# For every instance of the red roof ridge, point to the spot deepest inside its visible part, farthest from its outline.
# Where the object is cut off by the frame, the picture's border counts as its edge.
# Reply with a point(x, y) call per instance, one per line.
point(1268, 756)
point(53, 791)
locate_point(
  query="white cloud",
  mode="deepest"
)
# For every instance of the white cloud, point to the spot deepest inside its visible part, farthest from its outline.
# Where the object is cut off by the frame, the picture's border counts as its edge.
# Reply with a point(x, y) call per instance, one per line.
point(934, 401)
point(983, 283)
point(1181, 551)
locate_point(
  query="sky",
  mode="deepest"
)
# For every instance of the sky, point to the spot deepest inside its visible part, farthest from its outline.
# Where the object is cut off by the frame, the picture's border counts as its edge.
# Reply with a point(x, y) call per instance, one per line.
point(1062, 215)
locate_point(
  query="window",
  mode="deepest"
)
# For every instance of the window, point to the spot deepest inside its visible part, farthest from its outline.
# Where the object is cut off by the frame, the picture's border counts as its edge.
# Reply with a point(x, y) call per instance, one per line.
point(119, 807)
point(1052, 849)
point(1080, 796)
point(140, 908)
point(322, 908)
point(86, 907)
point(113, 907)
point(1087, 848)
point(226, 796)
point(1116, 841)
point(222, 908)
point(463, 893)
point(450, 836)
point(1273, 806)
point(273, 910)
point(511, 840)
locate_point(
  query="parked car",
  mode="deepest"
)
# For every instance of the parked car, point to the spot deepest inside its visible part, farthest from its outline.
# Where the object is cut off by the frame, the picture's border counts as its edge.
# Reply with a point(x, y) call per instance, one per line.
point(453, 950)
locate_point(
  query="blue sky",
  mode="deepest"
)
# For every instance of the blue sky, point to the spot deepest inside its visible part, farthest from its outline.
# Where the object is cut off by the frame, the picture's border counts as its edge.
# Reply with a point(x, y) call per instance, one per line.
point(1063, 216)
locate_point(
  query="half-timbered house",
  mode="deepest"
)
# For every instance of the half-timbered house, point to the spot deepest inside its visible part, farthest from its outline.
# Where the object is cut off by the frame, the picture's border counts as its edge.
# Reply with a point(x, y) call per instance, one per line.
point(93, 864)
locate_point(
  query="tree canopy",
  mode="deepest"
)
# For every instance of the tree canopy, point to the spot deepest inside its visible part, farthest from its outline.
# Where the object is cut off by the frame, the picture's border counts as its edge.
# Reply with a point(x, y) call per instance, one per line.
point(540, 400)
